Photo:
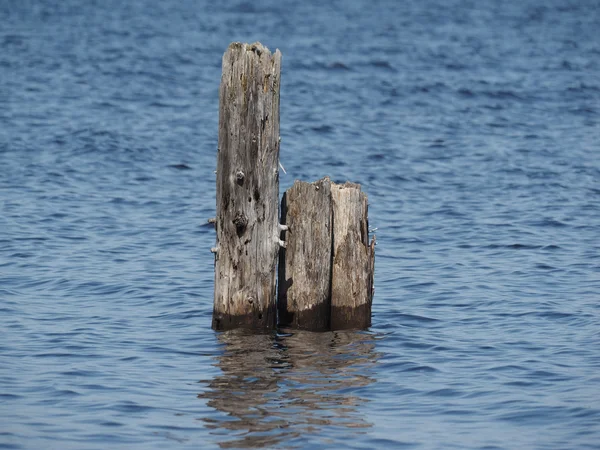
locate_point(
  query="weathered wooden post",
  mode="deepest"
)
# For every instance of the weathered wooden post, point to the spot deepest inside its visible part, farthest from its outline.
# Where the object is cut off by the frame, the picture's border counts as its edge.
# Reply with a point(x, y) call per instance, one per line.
point(326, 270)
point(305, 263)
point(353, 264)
point(247, 223)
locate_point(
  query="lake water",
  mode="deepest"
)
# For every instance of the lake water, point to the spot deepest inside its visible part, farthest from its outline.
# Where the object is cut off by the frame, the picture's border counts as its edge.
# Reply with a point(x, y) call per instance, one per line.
point(474, 128)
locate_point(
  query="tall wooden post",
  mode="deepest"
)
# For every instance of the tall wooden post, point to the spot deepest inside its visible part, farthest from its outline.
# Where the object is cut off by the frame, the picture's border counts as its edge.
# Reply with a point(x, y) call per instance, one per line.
point(305, 263)
point(247, 223)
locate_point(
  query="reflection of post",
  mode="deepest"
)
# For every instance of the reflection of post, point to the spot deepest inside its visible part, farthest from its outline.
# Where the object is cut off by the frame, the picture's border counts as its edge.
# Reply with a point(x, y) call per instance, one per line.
point(274, 388)
point(246, 382)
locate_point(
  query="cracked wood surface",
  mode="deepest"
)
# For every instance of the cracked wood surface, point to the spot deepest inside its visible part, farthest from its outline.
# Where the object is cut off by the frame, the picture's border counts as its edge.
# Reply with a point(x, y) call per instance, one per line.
point(247, 189)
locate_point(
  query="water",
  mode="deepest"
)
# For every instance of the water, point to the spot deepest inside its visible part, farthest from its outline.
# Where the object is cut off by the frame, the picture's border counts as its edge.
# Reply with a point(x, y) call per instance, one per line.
point(472, 126)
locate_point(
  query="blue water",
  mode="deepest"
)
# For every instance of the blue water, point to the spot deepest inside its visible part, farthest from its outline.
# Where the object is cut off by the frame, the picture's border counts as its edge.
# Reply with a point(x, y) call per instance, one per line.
point(474, 128)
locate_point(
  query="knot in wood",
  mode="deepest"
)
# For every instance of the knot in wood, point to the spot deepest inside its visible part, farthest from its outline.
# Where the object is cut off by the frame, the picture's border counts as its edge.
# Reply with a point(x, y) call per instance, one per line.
point(239, 177)
point(241, 222)
point(256, 50)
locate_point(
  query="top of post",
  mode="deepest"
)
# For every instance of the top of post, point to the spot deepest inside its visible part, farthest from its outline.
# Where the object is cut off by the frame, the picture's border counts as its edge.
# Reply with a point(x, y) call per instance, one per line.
point(256, 48)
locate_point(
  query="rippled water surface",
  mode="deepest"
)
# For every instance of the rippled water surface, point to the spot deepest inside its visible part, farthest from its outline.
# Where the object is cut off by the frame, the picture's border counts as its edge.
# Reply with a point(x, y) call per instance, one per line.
point(474, 127)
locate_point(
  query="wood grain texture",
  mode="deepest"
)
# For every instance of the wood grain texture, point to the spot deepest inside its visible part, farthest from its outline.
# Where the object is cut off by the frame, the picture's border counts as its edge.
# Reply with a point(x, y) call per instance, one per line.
point(353, 259)
point(305, 263)
point(247, 189)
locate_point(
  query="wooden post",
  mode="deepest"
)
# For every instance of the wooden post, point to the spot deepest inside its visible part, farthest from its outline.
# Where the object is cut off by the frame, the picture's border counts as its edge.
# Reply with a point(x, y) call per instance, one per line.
point(305, 263)
point(326, 270)
point(247, 223)
point(353, 259)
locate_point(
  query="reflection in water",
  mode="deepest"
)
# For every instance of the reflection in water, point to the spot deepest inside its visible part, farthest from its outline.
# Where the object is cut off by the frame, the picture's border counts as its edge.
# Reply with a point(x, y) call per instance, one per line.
point(282, 387)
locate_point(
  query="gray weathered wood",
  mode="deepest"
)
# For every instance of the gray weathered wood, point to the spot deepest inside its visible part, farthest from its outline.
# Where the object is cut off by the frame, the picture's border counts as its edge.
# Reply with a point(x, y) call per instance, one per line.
point(326, 271)
point(353, 259)
point(247, 189)
point(305, 263)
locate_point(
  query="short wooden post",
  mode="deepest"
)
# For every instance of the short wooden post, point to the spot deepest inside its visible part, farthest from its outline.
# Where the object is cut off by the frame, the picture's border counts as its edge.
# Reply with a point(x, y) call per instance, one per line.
point(247, 223)
point(353, 259)
point(326, 270)
point(305, 263)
